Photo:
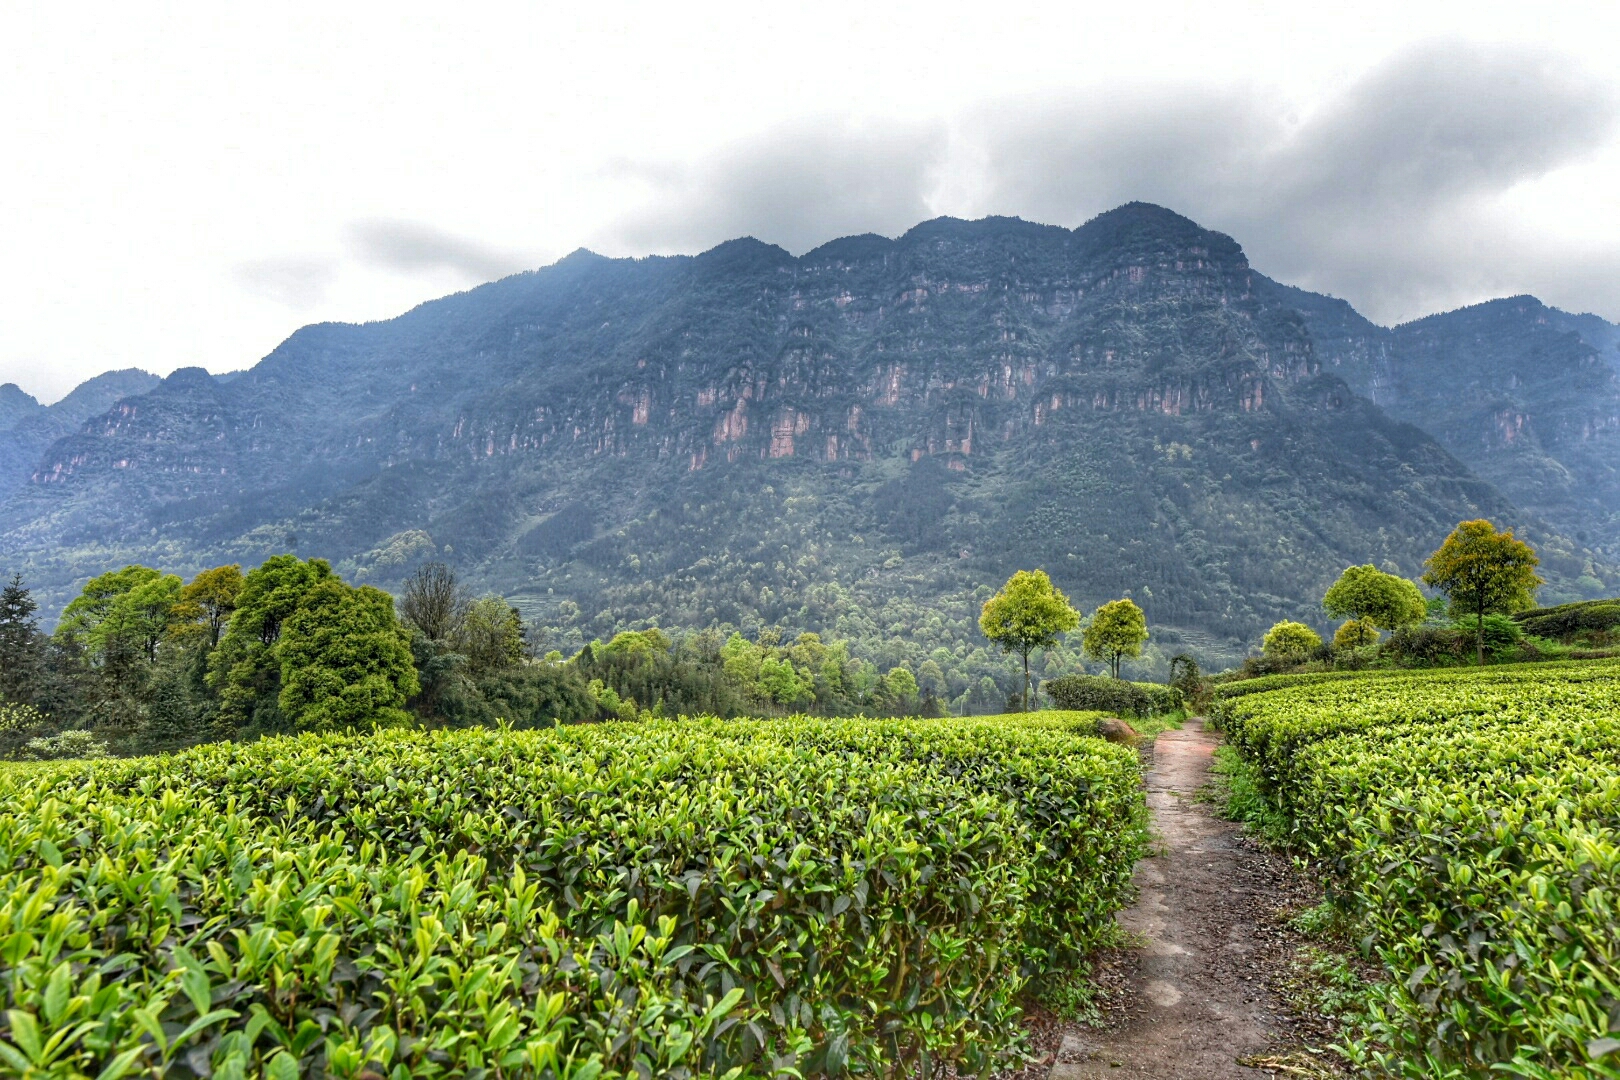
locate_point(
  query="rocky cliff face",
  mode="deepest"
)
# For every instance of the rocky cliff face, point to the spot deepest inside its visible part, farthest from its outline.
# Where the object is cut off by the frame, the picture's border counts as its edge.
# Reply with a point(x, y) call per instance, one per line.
point(854, 440)
point(1526, 396)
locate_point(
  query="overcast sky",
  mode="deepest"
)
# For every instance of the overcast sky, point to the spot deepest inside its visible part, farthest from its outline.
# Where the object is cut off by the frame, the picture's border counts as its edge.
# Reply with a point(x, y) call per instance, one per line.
point(187, 188)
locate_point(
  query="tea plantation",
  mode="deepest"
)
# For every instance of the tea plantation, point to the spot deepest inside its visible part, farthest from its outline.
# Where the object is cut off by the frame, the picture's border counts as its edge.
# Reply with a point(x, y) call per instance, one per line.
point(693, 898)
point(1472, 822)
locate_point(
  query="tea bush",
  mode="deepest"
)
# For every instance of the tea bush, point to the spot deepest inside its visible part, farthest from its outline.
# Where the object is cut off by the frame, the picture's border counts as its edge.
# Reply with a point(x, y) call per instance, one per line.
point(693, 898)
point(1472, 818)
point(1101, 694)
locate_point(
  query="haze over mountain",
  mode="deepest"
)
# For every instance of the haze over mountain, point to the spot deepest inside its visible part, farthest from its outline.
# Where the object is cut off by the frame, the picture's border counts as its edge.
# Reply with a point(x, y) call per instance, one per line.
point(859, 439)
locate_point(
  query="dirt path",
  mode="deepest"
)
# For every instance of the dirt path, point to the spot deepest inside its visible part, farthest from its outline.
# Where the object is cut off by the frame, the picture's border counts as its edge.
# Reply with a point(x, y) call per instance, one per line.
point(1198, 997)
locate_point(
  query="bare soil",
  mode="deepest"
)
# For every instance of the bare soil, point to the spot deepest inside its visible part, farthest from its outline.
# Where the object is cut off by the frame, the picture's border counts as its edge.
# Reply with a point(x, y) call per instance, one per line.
point(1198, 992)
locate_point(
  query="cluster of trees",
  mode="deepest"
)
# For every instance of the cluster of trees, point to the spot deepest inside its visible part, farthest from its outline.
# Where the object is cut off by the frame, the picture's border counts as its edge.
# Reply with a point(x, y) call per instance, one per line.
point(142, 661)
point(1479, 571)
point(1031, 613)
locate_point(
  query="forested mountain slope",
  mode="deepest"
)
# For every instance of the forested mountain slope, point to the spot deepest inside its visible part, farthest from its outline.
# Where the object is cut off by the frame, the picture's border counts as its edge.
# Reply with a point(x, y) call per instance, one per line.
point(1527, 396)
point(27, 428)
point(859, 439)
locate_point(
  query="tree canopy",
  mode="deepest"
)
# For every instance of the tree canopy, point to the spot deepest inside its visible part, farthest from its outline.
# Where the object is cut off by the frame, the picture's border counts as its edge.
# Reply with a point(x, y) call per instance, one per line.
point(1288, 638)
point(1117, 629)
point(1482, 570)
point(345, 660)
point(1368, 594)
point(1028, 613)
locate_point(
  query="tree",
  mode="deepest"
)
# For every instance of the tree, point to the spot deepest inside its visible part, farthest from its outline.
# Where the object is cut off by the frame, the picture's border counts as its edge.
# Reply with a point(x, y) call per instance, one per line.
point(1028, 613)
point(345, 661)
point(21, 647)
point(1290, 639)
point(1117, 629)
point(141, 618)
point(1355, 633)
point(210, 600)
point(434, 601)
point(84, 620)
point(1368, 595)
point(491, 635)
point(1483, 571)
point(244, 669)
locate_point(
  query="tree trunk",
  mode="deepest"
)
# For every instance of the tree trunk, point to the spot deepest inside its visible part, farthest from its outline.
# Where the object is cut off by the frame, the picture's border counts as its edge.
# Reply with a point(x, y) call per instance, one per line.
point(1026, 680)
point(1479, 637)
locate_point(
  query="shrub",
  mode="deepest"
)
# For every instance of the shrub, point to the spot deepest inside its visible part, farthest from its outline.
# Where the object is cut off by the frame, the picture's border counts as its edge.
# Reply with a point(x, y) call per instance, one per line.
point(663, 898)
point(1290, 639)
point(1102, 694)
point(1355, 634)
point(1472, 819)
point(1565, 621)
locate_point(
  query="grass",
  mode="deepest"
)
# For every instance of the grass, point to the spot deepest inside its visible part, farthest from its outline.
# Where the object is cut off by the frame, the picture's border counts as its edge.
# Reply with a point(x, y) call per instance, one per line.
point(1235, 791)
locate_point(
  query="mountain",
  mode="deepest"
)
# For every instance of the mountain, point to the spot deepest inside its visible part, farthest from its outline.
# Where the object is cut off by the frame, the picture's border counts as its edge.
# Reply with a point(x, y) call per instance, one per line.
point(34, 427)
point(1527, 396)
point(16, 406)
point(861, 440)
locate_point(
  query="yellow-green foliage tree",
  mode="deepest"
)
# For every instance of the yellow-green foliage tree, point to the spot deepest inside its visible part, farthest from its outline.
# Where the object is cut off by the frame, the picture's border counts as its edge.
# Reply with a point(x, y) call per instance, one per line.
point(206, 605)
point(1355, 633)
point(1482, 570)
point(1368, 595)
point(1290, 639)
point(1117, 629)
point(1028, 613)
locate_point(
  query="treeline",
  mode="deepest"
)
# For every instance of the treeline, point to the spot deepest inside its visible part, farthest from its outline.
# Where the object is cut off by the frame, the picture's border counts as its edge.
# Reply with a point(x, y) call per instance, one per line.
point(143, 662)
point(1486, 580)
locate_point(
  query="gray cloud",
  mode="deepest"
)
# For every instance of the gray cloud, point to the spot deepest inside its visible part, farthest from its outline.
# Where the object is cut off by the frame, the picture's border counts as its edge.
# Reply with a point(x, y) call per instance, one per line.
point(412, 247)
point(797, 186)
point(1383, 194)
point(299, 283)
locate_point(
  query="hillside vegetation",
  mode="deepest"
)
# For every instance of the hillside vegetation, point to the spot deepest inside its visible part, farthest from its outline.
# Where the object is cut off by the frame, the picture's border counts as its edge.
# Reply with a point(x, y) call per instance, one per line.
point(846, 442)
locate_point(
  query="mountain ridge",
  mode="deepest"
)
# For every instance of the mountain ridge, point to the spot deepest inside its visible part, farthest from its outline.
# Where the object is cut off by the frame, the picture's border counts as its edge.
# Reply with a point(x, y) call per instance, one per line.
point(964, 395)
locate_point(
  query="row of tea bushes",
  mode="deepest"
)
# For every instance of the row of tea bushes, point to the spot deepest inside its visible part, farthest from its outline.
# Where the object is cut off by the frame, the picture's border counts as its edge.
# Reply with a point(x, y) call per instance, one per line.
point(1473, 820)
point(696, 898)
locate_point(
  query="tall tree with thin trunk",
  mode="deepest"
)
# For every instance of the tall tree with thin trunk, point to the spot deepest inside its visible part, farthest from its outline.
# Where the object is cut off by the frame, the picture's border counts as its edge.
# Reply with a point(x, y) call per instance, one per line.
point(1117, 629)
point(1482, 571)
point(434, 601)
point(1028, 613)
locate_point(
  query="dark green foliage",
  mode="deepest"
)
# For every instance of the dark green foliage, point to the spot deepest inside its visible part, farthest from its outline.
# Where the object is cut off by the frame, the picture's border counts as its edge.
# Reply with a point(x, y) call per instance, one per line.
point(21, 644)
point(1095, 693)
point(1567, 622)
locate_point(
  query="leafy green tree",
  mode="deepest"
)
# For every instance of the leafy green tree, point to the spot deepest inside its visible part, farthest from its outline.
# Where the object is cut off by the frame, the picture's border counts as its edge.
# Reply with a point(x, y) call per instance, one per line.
point(782, 684)
point(1368, 595)
point(1355, 634)
point(1117, 629)
point(21, 644)
point(1483, 571)
point(1028, 613)
point(84, 620)
point(244, 670)
point(345, 660)
point(490, 635)
point(901, 686)
point(209, 601)
point(1287, 639)
point(140, 619)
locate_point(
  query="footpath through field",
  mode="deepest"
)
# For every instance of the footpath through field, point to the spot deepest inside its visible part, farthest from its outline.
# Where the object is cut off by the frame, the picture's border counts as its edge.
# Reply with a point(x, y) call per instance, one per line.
point(1198, 999)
